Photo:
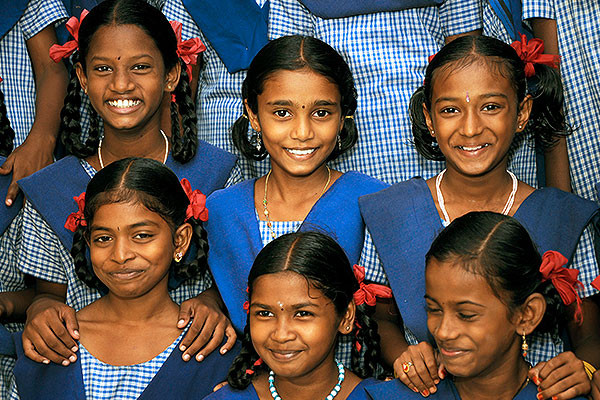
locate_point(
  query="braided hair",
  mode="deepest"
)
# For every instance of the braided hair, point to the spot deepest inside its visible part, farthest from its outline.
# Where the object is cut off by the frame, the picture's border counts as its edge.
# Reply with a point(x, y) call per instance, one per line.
point(157, 188)
point(7, 134)
point(156, 26)
point(324, 264)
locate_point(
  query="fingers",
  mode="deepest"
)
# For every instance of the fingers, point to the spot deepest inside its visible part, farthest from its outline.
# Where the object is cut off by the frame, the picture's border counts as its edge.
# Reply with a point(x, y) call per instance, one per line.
point(562, 377)
point(417, 368)
point(231, 338)
point(219, 386)
point(7, 167)
point(11, 194)
point(208, 339)
point(185, 314)
point(595, 393)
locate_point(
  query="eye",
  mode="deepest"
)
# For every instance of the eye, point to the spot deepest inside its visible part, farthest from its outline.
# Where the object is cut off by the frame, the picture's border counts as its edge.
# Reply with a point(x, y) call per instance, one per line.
point(282, 113)
point(102, 68)
point(432, 310)
point(101, 239)
point(263, 314)
point(321, 113)
point(449, 110)
point(304, 314)
point(141, 67)
point(143, 235)
point(466, 316)
point(491, 107)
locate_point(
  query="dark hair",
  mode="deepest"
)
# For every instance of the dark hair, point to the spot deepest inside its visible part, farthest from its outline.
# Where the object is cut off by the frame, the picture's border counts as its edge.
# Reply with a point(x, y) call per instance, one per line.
point(156, 26)
point(546, 121)
point(292, 53)
point(499, 248)
point(323, 263)
point(7, 134)
point(158, 189)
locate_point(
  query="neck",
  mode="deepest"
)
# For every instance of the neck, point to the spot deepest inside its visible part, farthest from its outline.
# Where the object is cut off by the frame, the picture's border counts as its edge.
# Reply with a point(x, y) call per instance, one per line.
point(493, 186)
point(503, 383)
point(147, 143)
point(315, 385)
point(288, 188)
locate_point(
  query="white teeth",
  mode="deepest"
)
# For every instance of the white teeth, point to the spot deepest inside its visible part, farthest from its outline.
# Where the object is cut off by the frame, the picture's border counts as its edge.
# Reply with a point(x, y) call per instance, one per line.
point(301, 152)
point(473, 148)
point(127, 103)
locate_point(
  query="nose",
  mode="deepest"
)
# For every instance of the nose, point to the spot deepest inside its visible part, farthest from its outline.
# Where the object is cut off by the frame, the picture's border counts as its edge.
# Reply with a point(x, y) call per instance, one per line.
point(121, 82)
point(445, 328)
point(283, 330)
point(122, 251)
point(303, 130)
point(472, 125)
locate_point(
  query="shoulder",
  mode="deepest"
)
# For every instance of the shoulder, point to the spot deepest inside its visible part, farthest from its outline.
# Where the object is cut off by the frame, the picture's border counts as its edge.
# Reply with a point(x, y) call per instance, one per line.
point(551, 195)
point(361, 182)
point(412, 190)
point(230, 194)
point(391, 389)
point(226, 392)
point(209, 150)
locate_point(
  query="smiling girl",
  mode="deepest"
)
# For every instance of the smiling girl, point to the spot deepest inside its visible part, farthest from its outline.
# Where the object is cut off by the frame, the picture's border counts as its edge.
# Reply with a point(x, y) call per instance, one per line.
point(302, 298)
point(487, 289)
point(127, 62)
point(475, 103)
point(299, 100)
point(138, 222)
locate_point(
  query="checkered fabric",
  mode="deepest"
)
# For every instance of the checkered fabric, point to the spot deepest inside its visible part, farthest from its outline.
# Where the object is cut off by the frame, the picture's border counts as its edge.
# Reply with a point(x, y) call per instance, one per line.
point(43, 256)
point(127, 382)
point(578, 29)
point(16, 71)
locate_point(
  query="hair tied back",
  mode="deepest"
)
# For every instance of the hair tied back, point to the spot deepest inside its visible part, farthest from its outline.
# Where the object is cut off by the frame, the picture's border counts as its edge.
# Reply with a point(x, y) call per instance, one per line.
point(197, 207)
point(58, 52)
point(77, 219)
point(563, 279)
point(532, 52)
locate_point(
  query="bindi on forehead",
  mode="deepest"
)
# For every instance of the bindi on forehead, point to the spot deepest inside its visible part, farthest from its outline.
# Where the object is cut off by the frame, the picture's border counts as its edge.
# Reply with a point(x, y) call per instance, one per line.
point(281, 305)
point(118, 58)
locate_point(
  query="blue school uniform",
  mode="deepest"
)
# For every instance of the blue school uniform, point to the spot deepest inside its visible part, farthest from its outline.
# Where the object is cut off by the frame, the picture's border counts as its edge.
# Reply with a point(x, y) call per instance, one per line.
point(234, 236)
point(403, 221)
point(44, 252)
point(396, 390)
point(176, 379)
point(358, 393)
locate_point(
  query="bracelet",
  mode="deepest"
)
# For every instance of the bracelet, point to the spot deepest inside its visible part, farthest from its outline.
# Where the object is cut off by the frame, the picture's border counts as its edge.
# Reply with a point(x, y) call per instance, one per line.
point(589, 369)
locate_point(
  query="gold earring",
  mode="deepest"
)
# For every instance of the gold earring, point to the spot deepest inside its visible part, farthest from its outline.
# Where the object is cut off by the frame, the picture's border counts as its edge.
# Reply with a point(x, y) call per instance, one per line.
point(85, 90)
point(524, 345)
point(178, 256)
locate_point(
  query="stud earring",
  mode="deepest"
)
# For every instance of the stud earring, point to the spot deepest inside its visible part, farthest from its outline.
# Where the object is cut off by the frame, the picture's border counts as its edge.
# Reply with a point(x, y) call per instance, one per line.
point(524, 345)
point(178, 256)
point(520, 126)
point(348, 328)
point(85, 90)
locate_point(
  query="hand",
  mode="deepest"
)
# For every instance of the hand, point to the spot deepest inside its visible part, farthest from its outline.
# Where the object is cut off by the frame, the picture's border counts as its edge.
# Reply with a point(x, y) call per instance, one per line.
point(596, 386)
point(219, 386)
point(207, 330)
point(562, 377)
point(424, 373)
point(31, 156)
point(51, 332)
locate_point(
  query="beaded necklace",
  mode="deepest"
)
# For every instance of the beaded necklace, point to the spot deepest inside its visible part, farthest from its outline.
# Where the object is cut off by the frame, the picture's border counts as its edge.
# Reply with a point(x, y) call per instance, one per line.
point(336, 389)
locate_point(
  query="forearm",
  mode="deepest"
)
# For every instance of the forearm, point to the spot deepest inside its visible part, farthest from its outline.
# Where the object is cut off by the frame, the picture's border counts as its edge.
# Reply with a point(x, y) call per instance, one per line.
point(391, 334)
point(585, 338)
point(556, 160)
point(545, 29)
point(14, 304)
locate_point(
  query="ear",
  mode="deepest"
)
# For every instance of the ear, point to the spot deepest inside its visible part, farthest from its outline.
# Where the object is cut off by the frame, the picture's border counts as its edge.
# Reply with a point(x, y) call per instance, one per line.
point(254, 122)
point(183, 238)
point(81, 76)
point(530, 314)
point(428, 120)
point(347, 323)
point(172, 78)
point(524, 113)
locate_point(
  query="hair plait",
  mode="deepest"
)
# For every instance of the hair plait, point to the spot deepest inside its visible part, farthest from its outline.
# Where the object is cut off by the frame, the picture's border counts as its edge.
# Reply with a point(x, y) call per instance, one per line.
point(7, 134)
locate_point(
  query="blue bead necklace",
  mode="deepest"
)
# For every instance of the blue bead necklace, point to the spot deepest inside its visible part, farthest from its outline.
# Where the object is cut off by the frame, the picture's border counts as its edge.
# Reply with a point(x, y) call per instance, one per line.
point(336, 389)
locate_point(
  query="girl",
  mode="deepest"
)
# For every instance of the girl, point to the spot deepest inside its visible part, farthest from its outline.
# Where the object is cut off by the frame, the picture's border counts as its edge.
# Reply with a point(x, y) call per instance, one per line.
point(127, 61)
point(299, 99)
point(138, 222)
point(302, 297)
point(487, 288)
point(474, 103)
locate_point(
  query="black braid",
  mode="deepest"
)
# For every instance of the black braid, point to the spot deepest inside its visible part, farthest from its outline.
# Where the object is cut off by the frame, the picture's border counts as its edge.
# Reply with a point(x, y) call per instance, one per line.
point(82, 268)
point(366, 362)
point(237, 376)
point(185, 144)
point(200, 264)
point(7, 134)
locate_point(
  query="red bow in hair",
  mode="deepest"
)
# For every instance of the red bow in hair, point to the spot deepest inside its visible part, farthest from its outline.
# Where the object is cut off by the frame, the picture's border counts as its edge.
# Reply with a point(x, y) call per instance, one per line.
point(256, 364)
point(532, 53)
point(75, 219)
point(58, 52)
point(187, 50)
point(368, 293)
point(431, 57)
point(197, 207)
point(596, 283)
point(564, 279)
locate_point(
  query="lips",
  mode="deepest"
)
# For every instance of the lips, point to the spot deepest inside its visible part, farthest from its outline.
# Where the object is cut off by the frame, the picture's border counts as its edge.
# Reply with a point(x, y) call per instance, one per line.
point(284, 355)
point(124, 103)
point(473, 148)
point(452, 353)
point(301, 152)
point(126, 274)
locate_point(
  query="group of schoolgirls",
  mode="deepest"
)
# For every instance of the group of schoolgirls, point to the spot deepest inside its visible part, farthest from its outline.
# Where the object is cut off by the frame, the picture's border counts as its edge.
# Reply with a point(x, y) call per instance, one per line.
point(115, 240)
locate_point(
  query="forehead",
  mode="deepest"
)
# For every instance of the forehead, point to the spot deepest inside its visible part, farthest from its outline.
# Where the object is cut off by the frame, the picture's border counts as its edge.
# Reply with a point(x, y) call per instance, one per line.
point(124, 214)
point(122, 41)
point(303, 85)
point(285, 288)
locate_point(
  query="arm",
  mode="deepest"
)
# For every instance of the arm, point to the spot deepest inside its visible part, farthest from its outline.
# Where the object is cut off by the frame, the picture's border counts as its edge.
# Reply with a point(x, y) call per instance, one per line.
point(51, 82)
point(13, 305)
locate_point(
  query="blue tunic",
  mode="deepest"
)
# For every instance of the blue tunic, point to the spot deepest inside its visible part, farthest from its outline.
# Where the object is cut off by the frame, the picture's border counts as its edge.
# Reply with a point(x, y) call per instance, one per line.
point(234, 235)
point(358, 393)
point(176, 379)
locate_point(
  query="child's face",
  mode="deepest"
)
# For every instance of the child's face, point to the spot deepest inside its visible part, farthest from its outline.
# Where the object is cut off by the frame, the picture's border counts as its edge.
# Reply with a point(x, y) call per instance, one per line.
point(474, 116)
point(131, 248)
point(293, 326)
point(125, 77)
point(471, 326)
point(299, 115)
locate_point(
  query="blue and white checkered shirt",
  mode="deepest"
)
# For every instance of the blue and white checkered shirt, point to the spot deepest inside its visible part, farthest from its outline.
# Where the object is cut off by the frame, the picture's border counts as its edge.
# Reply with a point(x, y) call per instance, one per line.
point(16, 71)
point(43, 256)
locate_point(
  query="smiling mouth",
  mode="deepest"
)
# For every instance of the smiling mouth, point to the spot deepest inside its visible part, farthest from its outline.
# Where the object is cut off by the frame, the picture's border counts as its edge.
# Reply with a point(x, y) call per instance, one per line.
point(450, 353)
point(284, 355)
point(301, 152)
point(474, 148)
point(127, 273)
point(127, 103)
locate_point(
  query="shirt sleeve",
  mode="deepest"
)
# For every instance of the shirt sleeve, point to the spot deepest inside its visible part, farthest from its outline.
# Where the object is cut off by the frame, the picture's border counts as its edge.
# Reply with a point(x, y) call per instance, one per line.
point(587, 264)
point(236, 175)
point(41, 254)
point(460, 16)
point(174, 10)
point(39, 14)
point(538, 9)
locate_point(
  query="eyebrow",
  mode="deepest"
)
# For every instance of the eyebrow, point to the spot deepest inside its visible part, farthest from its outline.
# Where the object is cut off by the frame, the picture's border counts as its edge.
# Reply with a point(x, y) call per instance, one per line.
point(289, 103)
point(294, 307)
point(138, 56)
point(143, 223)
point(483, 96)
point(460, 303)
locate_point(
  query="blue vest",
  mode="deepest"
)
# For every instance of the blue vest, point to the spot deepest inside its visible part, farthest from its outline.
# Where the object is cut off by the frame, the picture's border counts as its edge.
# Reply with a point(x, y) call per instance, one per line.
point(234, 235)
point(176, 379)
point(509, 12)
point(7, 214)
point(403, 222)
point(12, 10)
point(51, 190)
point(348, 8)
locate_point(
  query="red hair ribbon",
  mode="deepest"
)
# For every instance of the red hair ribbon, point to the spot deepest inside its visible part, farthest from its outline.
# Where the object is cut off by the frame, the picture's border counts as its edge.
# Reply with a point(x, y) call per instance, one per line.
point(564, 279)
point(596, 283)
point(256, 364)
point(187, 50)
point(197, 207)
point(75, 219)
point(431, 57)
point(368, 293)
point(532, 53)
point(246, 306)
point(58, 52)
